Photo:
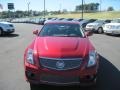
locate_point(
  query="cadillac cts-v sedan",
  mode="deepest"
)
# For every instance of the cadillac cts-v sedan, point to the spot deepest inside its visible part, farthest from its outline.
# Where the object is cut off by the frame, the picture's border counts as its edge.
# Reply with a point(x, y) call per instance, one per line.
point(61, 54)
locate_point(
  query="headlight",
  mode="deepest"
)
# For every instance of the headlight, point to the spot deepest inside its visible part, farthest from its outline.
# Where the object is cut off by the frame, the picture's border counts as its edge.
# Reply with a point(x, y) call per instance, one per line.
point(30, 56)
point(113, 27)
point(92, 59)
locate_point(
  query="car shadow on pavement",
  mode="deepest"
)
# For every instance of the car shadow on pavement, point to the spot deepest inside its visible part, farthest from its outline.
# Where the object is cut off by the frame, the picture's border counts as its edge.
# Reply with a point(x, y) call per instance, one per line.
point(113, 35)
point(10, 35)
point(108, 79)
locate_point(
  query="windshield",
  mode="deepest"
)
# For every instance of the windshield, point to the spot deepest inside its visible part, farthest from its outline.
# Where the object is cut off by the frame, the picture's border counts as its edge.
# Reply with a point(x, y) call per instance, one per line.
point(116, 21)
point(62, 30)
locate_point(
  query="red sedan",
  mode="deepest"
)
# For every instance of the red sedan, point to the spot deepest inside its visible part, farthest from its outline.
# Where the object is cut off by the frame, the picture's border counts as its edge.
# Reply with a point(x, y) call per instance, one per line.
point(61, 54)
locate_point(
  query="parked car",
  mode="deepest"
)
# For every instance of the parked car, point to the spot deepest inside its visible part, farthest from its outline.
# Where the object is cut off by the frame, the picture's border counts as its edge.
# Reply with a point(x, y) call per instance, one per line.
point(61, 54)
point(50, 19)
point(42, 20)
point(113, 27)
point(37, 21)
point(68, 19)
point(60, 19)
point(54, 18)
point(97, 26)
point(31, 20)
point(84, 22)
point(77, 20)
point(6, 28)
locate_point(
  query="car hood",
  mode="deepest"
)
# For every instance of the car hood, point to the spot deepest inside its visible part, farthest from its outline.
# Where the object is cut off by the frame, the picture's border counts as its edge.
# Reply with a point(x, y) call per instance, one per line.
point(62, 47)
point(115, 24)
point(5, 23)
point(93, 24)
point(82, 22)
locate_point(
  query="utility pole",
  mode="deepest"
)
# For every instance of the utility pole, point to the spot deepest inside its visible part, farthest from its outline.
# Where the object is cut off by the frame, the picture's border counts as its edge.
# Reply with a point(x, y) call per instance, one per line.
point(100, 4)
point(60, 7)
point(82, 9)
point(44, 8)
point(28, 4)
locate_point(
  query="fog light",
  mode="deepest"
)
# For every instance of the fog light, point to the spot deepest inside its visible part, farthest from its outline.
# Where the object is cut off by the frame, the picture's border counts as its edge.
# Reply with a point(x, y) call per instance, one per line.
point(30, 75)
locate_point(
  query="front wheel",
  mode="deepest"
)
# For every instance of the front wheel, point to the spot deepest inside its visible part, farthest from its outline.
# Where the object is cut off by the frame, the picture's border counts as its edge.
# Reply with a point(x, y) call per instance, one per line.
point(0, 32)
point(35, 86)
point(100, 30)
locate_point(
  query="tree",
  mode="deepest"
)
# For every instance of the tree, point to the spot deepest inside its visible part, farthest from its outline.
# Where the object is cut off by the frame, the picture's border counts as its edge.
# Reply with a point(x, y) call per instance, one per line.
point(65, 11)
point(91, 7)
point(4, 14)
point(110, 8)
point(19, 14)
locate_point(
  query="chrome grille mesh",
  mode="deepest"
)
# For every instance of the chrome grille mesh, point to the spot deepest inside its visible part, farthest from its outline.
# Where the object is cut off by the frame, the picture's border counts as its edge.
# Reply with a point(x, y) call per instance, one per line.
point(60, 64)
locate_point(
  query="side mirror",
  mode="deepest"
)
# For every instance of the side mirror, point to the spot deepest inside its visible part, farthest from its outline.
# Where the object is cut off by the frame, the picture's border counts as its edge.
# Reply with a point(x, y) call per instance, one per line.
point(35, 32)
point(88, 33)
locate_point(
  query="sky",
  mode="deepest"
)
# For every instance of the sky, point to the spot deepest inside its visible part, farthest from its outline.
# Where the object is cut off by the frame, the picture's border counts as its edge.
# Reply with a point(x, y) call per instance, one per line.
point(54, 5)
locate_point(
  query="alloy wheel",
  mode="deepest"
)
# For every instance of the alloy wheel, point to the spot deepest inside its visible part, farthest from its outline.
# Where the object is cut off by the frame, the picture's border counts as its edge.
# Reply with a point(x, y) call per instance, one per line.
point(100, 30)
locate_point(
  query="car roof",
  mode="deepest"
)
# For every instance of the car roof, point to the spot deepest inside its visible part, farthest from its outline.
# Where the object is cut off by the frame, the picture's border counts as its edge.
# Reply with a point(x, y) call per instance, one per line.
point(67, 22)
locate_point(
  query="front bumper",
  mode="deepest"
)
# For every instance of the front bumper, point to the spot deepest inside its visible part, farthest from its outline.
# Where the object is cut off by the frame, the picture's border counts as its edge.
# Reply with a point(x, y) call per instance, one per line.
point(112, 31)
point(91, 29)
point(36, 74)
point(62, 78)
point(9, 31)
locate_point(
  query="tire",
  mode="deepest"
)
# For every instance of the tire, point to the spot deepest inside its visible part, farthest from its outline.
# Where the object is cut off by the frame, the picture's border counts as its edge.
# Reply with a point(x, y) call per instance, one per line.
point(35, 86)
point(0, 31)
point(100, 30)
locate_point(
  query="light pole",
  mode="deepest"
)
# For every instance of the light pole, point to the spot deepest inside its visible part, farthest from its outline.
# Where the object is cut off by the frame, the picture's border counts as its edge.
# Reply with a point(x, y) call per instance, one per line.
point(44, 8)
point(100, 4)
point(60, 7)
point(82, 9)
point(28, 4)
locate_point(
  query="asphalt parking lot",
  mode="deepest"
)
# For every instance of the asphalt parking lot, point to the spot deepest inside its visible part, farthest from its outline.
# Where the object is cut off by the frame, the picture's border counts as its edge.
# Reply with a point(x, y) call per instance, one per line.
point(11, 61)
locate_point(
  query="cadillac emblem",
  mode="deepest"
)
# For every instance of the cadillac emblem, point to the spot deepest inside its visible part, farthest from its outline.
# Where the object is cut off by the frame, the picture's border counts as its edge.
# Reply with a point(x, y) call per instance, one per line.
point(60, 64)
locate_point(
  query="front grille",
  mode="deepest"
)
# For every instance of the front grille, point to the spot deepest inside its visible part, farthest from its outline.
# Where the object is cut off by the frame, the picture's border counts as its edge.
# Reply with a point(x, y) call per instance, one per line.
point(60, 64)
point(90, 25)
point(57, 79)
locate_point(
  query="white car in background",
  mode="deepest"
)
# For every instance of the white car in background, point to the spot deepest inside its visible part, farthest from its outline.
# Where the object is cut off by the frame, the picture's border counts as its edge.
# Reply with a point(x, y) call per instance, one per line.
point(97, 26)
point(6, 28)
point(112, 28)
